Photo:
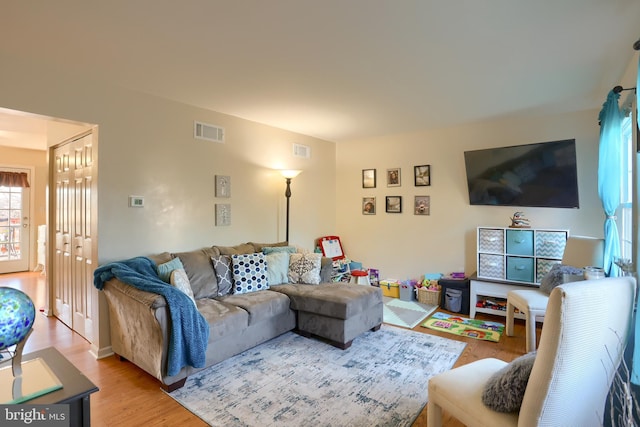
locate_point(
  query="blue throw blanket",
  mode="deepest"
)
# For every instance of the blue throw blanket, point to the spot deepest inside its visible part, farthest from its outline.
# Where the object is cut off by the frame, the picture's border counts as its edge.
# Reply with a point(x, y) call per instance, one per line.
point(189, 331)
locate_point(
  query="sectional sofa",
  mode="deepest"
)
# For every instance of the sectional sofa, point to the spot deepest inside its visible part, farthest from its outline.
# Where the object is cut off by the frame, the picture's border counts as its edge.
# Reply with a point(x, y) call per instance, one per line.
point(143, 329)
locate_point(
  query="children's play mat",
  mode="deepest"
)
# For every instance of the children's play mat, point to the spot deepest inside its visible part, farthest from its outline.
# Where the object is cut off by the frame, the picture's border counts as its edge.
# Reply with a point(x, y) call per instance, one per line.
point(472, 328)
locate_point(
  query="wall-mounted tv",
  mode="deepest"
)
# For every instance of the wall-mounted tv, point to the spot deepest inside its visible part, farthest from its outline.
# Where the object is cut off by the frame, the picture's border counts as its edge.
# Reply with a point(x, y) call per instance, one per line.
point(532, 175)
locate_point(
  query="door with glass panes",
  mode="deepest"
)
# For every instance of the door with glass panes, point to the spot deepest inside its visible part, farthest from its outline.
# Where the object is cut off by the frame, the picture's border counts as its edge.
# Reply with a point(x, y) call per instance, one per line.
point(14, 219)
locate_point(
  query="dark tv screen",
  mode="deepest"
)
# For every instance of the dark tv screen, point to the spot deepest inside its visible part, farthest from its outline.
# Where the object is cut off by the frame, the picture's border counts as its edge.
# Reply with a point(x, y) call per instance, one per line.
point(531, 175)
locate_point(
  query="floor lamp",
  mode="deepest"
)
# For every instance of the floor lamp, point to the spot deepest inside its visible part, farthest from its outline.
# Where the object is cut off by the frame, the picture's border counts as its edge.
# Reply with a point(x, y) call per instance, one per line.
point(288, 175)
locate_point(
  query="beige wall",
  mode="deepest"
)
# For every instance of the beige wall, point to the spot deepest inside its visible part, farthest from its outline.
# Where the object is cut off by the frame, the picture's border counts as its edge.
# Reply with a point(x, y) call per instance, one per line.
point(37, 161)
point(155, 155)
point(146, 148)
point(405, 245)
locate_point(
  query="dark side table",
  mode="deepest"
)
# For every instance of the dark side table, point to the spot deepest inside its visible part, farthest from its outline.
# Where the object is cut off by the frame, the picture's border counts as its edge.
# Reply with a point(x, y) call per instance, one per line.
point(458, 303)
point(76, 388)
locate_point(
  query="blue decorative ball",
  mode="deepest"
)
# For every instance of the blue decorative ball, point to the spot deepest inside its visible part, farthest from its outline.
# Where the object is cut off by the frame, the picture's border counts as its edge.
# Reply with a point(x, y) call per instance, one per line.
point(17, 314)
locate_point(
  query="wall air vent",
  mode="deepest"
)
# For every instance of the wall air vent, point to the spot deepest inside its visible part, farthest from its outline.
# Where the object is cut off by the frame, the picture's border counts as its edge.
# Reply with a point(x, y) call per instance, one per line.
point(208, 132)
point(300, 150)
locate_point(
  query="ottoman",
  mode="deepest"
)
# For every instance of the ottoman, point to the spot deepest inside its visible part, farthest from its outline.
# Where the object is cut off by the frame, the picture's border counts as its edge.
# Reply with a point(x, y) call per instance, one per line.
point(334, 311)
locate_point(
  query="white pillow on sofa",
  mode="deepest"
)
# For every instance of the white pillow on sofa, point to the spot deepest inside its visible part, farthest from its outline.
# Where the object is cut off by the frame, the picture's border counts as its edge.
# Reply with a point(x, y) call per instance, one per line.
point(180, 280)
point(304, 268)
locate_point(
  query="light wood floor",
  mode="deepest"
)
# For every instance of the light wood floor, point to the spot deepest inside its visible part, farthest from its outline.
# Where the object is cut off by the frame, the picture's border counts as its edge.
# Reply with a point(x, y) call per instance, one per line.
point(129, 396)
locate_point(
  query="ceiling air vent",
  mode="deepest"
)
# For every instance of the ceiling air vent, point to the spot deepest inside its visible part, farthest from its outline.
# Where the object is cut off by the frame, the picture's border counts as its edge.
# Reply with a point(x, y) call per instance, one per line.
point(208, 132)
point(300, 150)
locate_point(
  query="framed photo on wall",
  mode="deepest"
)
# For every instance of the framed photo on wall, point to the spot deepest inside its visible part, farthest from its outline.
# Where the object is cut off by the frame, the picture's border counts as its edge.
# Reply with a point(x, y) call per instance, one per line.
point(421, 205)
point(393, 177)
point(393, 204)
point(422, 175)
point(368, 206)
point(368, 178)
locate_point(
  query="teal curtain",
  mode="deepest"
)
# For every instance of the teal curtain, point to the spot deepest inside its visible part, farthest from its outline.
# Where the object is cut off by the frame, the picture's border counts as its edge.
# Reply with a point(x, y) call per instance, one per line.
point(609, 176)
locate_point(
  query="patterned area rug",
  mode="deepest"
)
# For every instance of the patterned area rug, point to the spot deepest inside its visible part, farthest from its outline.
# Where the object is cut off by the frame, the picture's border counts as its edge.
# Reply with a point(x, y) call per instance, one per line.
point(405, 313)
point(381, 380)
point(472, 328)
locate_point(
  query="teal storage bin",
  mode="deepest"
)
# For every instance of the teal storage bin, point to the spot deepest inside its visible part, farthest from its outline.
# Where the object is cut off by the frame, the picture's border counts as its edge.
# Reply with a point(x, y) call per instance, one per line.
point(520, 242)
point(520, 269)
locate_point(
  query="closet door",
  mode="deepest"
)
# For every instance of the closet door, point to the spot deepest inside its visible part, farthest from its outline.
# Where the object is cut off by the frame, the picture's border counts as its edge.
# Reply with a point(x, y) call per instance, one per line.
point(75, 185)
point(62, 281)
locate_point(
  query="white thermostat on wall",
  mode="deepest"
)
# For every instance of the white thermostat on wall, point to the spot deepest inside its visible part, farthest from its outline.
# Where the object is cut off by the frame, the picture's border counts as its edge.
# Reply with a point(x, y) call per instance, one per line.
point(136, 201)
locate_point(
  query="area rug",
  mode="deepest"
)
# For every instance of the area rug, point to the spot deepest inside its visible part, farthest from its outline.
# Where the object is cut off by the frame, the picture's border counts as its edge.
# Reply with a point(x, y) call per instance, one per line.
point(381, 380)
point(407, 314)
point(472, 328)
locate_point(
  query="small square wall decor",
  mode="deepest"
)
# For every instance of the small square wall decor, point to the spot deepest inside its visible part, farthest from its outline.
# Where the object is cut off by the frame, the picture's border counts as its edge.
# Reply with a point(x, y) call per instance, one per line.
point(223, 186)
point(223, 214)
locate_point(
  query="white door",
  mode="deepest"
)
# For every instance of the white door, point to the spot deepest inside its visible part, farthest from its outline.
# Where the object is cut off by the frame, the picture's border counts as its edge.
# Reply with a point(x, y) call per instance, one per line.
point(14, 226)
point(73, 204)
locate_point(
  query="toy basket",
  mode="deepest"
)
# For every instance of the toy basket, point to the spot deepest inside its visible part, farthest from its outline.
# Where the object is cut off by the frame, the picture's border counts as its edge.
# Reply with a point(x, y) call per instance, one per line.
point(428, 296)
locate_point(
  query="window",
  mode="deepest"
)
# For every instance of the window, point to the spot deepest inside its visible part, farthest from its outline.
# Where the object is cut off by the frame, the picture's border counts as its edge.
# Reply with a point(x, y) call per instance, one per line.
point(625, 217)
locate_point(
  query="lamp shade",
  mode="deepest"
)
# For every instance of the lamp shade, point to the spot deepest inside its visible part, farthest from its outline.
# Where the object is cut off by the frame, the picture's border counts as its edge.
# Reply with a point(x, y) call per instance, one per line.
point(290, 173)
point(17, 314)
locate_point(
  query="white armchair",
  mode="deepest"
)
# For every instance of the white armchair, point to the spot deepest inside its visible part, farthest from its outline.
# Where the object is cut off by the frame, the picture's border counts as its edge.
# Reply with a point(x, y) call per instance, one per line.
point(580, 251)
point(582, 343)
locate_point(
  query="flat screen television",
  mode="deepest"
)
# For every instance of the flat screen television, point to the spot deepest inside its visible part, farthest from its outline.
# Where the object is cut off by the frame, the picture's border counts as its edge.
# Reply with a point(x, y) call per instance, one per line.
point(531, 175)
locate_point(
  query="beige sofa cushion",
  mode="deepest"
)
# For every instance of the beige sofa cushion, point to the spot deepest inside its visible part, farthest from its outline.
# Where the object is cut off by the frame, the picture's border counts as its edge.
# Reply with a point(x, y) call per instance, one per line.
point(261, 306)
point(337, 300)
point(161, 258)
point(199, 268)
point(241, 249)
point(228, 319)
point(326, 269)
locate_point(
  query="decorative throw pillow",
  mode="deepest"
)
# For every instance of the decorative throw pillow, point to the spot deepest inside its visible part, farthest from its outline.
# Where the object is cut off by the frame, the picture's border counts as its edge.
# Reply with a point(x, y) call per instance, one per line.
point(259, 246)
point(271, 249)
point(164, 270)
point(277, 268)
point(249, 273)
point(222, 266)
point(504, 390)
point(180, 280)
point(557, 276)
point(304, 268)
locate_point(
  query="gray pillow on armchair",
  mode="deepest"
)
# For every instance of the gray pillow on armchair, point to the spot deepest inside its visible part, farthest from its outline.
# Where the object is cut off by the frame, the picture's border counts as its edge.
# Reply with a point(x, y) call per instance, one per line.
point(558, 275)
point(505, 389)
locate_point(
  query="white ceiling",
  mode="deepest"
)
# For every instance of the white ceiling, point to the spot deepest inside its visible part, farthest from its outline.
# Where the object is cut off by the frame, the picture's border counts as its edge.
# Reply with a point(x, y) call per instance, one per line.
point(339, 69)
